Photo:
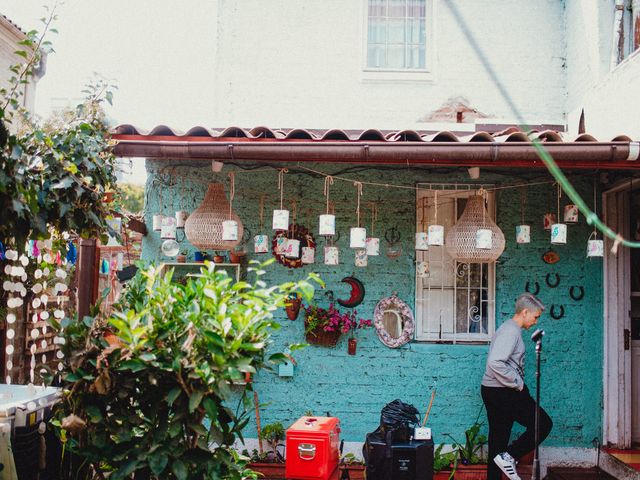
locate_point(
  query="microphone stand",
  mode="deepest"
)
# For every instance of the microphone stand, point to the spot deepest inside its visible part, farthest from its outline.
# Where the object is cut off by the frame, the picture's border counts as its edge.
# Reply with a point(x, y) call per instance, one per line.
point(536, 456)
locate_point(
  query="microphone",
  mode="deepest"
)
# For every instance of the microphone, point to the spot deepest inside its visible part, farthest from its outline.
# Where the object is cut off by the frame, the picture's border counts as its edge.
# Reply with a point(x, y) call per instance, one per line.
point(537, 335)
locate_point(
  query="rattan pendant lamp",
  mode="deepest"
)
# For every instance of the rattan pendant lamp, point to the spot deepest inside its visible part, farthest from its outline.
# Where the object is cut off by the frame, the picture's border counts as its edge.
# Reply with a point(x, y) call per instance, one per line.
point(461, 238)
point(203, 228)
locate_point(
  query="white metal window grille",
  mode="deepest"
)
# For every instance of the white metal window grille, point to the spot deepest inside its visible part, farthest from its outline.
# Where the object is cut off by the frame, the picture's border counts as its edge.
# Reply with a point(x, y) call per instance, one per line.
point(455, 302)
point(396, 35)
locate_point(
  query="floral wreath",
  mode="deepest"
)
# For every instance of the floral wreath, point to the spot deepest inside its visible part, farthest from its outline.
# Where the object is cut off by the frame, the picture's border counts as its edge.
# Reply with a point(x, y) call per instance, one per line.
point(405, 313)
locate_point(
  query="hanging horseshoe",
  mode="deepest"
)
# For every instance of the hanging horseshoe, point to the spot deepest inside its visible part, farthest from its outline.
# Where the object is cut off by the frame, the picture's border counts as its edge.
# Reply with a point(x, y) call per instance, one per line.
point(554, 284)
point(554, 315)
point(579, 295)
point(392, 236)
point(537, 290)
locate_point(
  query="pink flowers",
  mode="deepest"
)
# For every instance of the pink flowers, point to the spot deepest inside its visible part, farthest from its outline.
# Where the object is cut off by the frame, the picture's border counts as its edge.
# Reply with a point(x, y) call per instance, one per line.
point(332, 320)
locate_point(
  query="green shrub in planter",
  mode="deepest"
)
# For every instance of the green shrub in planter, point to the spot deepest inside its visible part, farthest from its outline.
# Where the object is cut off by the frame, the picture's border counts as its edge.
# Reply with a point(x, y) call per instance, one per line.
point(146, 392)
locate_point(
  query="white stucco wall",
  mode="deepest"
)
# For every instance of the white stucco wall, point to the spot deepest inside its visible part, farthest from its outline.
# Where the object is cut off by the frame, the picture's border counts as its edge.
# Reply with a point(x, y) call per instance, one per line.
point(609, 97)
point(298, 63)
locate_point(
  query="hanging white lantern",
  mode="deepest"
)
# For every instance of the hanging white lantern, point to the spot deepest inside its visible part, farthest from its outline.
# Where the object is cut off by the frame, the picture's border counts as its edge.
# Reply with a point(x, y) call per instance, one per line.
point(461, 238)
point(157, 222)
point(280, 219)
point(293, 248)
point(373, 246)
point(361, 258)
point(331, 255)
point(484, 238)
point(281, 245)
point(558, 234)
point(422, 241)
point(181, 218)
point(260, 244)
point(571, 214)
point(595, 246)
point(358, 237)
point(168, 231)
point(230, 231)
point(523, 234)
point(436, 235)
point(327, 224)
point(308, 255)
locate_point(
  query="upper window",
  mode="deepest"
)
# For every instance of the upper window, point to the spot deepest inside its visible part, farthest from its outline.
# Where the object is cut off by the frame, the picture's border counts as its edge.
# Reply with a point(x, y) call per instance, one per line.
point(397, 35)
point(630, 30)
point(455, 302)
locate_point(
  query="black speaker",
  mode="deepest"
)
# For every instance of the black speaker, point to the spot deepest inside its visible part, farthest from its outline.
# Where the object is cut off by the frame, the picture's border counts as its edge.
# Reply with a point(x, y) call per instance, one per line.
point(410, 460)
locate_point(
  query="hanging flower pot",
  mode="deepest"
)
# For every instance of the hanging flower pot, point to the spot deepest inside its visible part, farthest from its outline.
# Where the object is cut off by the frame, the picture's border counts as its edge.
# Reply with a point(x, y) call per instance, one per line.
point(352, 345)
point(292, 306)
point(558, 233)
point(523, 234)
point(571, 214)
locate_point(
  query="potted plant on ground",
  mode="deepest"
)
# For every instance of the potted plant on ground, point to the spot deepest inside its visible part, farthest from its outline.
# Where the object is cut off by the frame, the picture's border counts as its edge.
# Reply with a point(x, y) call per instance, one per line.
point(354, 467)
point(469, 463)
point(270, 463)
point(442, 463)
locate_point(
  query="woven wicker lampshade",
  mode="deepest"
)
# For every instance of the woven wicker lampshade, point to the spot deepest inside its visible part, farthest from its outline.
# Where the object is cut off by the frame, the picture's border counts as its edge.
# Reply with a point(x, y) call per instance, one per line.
point(461, 238)
point(203, 228)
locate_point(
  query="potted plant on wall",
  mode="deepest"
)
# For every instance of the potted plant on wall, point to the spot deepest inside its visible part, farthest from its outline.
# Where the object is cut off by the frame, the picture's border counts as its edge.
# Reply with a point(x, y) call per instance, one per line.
point(323, 326)
point(355, 324)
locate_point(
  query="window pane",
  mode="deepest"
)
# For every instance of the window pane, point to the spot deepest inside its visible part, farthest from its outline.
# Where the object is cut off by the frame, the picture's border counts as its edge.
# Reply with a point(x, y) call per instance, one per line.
point(439, 311)
point(470, 311)
point(416, 8)
point(377, 30)
point(395, 56)
point(396, 31)
point(397, 8)
point(375, 56)
point(377, 8)
point(415, 31)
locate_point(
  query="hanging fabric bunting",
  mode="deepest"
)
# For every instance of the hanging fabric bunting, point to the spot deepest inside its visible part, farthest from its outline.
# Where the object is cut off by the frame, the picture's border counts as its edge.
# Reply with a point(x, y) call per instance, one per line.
point(58, 258)
point(72, 255)
point(2, 256)
point(104, 266)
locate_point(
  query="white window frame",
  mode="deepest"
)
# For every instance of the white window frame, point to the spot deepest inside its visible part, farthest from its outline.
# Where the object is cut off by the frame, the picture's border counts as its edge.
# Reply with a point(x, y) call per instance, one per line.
point(375, 75)
point(438, 254)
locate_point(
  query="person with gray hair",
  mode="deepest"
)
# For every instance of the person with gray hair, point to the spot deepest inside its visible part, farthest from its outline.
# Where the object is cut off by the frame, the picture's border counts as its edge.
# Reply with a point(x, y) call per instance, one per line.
point(505, 395)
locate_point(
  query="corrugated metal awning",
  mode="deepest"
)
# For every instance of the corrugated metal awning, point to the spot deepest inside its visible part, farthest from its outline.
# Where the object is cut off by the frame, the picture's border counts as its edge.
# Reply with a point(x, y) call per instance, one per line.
point(509, 147)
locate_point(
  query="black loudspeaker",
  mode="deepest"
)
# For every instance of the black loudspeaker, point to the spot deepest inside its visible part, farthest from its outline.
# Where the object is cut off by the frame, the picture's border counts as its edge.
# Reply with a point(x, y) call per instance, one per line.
point(411, 460)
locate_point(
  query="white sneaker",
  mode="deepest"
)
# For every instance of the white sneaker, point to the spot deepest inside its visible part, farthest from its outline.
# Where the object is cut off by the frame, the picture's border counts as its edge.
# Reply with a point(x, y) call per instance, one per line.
point(507, 464)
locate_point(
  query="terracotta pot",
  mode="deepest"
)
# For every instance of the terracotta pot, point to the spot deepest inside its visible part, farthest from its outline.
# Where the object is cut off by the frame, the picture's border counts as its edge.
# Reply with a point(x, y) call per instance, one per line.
point(471, 472)
point(270, 471)
point(442, 475)
point(292, 307)
point(235, 257)
point(351, 349)
point(218, 259)
point(181, 258)
point(356, 472)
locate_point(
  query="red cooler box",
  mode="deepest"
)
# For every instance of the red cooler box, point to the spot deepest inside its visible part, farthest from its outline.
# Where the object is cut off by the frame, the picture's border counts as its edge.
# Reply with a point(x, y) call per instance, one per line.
point(312, 448)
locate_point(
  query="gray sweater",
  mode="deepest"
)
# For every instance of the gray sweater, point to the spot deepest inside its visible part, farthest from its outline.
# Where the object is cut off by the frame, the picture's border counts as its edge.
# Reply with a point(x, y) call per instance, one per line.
point(505, 363)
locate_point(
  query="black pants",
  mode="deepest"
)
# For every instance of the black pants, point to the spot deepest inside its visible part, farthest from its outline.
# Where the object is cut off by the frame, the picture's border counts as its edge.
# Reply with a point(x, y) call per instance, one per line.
point(505, 406)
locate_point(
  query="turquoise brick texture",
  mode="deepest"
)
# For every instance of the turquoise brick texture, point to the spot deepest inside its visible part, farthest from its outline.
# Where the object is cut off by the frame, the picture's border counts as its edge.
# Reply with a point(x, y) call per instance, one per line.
point(355, 388)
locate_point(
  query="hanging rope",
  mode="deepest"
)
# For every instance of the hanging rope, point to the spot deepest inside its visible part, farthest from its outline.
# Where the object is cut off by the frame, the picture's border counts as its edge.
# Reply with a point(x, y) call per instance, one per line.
point(523, 200)
point(328, 180)
point(232, 190)
point(558, 200)
point(374, 217)
point(281, 173)
point(358, 186)
point(435, 202)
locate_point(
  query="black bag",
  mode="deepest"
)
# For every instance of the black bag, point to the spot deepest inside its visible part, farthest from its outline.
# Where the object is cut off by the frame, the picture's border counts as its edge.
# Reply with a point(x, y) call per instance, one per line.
point(397, 420)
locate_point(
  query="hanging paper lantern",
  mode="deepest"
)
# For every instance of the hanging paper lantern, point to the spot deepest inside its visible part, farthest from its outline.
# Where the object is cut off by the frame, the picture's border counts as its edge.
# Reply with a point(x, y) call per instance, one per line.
point(436, 235)
point(484, 238)
point(292, 249)
point(280, 219)
point(422, 241)
point(373, 246)
point(558, 233)
point(358, 238)
point(308, 255)
point(229, 230)
point(168, 230)
point(361, 258)
point(331, 256)
point(548, 220)
point(461, 238)
point(571, 214)
point(203, 228)
point(260, 244)
point(523, 234)
point(595, 246)
point(157, 222)
point(327, 224)
point(181, 218)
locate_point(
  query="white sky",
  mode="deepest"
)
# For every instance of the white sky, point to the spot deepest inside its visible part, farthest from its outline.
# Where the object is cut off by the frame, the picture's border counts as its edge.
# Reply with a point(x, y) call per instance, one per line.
point(158, 52)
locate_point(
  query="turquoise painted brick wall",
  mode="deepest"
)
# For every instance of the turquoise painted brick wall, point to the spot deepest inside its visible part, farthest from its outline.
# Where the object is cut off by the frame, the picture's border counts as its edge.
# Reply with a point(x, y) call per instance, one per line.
point(355, 388)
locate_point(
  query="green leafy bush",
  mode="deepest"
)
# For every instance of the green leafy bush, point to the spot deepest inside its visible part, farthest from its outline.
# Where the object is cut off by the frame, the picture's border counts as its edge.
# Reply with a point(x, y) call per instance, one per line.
point(147, 392)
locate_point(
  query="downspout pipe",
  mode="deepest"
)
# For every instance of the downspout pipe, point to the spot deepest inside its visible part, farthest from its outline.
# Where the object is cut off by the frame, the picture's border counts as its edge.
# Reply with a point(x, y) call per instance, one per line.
point(575, 155)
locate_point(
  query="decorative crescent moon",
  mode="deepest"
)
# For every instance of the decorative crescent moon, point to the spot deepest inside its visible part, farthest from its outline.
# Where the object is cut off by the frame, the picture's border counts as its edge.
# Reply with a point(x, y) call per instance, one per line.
point(357, 292)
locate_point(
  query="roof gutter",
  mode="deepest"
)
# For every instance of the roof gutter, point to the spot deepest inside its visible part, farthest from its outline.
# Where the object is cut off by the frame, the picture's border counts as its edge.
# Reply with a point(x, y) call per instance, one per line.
point(622, 155)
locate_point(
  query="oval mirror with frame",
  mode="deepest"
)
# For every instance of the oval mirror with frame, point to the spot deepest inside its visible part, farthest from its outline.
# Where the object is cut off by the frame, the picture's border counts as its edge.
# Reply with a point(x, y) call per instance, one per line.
point(394, 322)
